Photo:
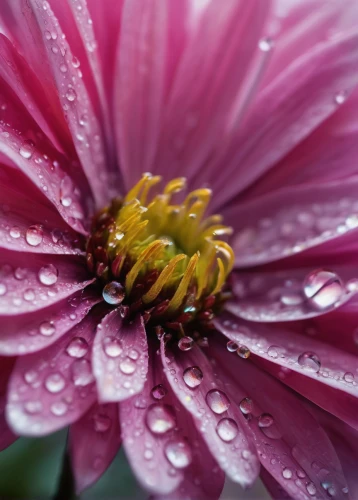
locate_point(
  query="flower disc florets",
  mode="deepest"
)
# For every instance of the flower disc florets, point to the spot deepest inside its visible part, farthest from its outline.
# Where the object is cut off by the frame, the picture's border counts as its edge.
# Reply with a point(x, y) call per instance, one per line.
point(160, 258)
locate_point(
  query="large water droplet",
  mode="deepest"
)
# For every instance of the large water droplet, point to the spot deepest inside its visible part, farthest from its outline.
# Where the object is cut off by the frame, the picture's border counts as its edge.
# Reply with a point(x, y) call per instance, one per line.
point(71, 94)
point(159, 391)
point(82, 373)
point(127, 366)
point(265, 420)
point(59, 408)
point(55, 383)
point(217, 401)
point(15, 232)
point(193, 376)
point(178, 453)
point(3, 289)
point(246, 406)
point(348, 377)
point(160, 418)
point(310, 361)
point(77, 348)
point(311, 489)
point(232, 346)
point(26, 149)
point(101, 422)
point(48, 275)
point(287, 473)
point(243, 351)
point(112, 346)
point(47, 328)
point(227, 429)
point(113, 293)
point(186, 343)
point(34, 235)
point(322, 288)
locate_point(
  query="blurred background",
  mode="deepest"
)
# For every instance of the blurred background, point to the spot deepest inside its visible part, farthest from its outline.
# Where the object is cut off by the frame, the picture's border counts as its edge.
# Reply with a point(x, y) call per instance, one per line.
point(30, 468)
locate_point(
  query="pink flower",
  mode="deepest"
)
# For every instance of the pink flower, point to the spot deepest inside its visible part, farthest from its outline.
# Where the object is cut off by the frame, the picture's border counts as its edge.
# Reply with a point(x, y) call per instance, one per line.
point(255, 100)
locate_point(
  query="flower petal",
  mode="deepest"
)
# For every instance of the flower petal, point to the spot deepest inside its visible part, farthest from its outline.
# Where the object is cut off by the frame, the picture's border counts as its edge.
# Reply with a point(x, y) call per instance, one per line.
point(53, 388)
point(237, 458)
point(292, 220)
point(320, 372)
point(290, 443)
point(120, 357)
point(6, 435)
point(33, 331)
point(30, 282)
point(94, 440)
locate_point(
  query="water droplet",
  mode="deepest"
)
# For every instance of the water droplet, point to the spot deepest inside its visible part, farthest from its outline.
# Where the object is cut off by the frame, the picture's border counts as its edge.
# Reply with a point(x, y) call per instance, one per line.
point(352, 285)
point(101, 422)
point(310, 361)
point(311, 489)
point(148, 454)
point(348, 377)
point(29, 294)
point(20, 273)
point(113, 293)
point(287, 473)
point(186, 343)
point(160, 418)
point(265, 44)
point(322, 288)
point(112, 346)
point(77, 348)
point(75, 62)
point(63, 68)
point(48, 275)
point(34, 235)
point(15, 232)
point(55, 383)
point(159, 391)
point(30, 376)
point(71, 94)
point(340, 97)
point(246, 406)
point(217, 401)
point(82, 373)
point(178, 453)
point(133, 354)
point(243, 352)
point(3, 289)
point(291, 298)
point(232, 346)
point(59, 408)
point(33, 407)
point(127, 366)
point(227, 429)
point(193, 376)
point(265, 420)
point(47, 328)
point(26, 149)
point(47, 35)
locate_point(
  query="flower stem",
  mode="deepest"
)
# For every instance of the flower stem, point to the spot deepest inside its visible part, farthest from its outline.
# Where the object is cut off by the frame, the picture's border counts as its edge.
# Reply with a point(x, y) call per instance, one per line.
point(66, 484)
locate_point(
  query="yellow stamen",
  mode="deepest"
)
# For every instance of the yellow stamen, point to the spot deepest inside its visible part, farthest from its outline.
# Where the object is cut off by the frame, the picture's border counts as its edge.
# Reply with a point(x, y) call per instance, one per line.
point(180, 293)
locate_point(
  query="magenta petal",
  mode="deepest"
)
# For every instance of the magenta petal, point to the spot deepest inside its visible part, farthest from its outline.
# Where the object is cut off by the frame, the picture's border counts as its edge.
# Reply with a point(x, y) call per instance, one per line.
point(94, 440)
point(291, 220)
point(54, 387)
point(120, 357)
point(33, 331)
point(6, 435)
point(319, 371)
point(31, 282)
point(237, 458)
point(291, 445)
point(273, 296)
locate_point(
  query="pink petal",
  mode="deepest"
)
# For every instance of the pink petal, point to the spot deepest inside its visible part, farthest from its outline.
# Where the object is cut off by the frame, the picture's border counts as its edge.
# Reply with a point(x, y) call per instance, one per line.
point(291, 220)
point(24, 208)
point(286, 112)
point(273, 296)
point(292, 447)
point(237, 458)
point(318, 371)
point(54, 387)
point(33, 331)
point(208, 81)
point(140, 84)
point(6, 436)
point(31, 281)
point(120, 357)
point(273, 487)
point(94, 440)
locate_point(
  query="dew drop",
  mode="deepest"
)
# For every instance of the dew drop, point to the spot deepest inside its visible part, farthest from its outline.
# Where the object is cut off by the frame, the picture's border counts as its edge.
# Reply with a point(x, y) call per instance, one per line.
point(340, 97)
point(55, 383)
point(34, 236)
point(26, 149)
point(159, 391)
point(47, 328)
point(82, 373)
point(59, 408)
point(265, 44)
point(29, 294)
point(178, 453)
point(3, 289)
point(15, 232)
point(75, 62)
point(71, 94)
point(273, 351)
point(311, 489)
point(227, 429)
point(20, 273)
point(291, 298)
point(186, 343)
point(133, 354)
point(246, 406)
point(112, 346)
point(232, 346)
point(193, 376)
point(160, 418)
point(48, 275)
point(243, 352)
point(265, 420)
point(322, 288)
point(113, 293)
point(148, 454)
point(127, 366)
point(287, 473)
point(33, 407)
point(63, 68)
point(30, 376)
point(77, 348)
point(217, 401)
point(101, 422)
point(310, 361)
point(348, 377)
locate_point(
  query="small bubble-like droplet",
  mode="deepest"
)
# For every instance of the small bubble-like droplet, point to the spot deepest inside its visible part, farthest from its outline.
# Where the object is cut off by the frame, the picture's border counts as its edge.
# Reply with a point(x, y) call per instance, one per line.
point(48, 275)
point(159, 391)
point(246, 406)
point(265, 44)
point(34, 236)
point(311, 489)
point(217, 401)
point(113, 293)
point(160, 418)
point(112, 346)
point(26, 149)
point(243, 351)
point(310, 361)
point(59, 408)
point(340, 97)
point(71, 94)
point(55, 383)
point(287, 473)
point(232, 346)
point(29, 294)
point(193, 376)
point(77, 348)
point(265, 420)
point(15, 232)
point(186, 343)
point(322, 288)
point(227, 429)
point(348, 377)
point(127, 366)
point(47, 328)
point(178, 453)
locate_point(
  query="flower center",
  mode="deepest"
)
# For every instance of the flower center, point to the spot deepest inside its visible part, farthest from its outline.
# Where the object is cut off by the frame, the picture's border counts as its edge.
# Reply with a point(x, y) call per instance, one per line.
point(160, 258)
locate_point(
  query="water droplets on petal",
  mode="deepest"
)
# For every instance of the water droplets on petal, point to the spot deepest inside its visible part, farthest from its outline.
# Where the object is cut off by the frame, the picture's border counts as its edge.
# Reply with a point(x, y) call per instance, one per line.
point(34, 235)
point(48, 275)
point(77, 348)
point(217, 401)
point(322, 288)
point(81, 372)
point(232, 346)
point(71, 94)
point(178, 453)
point(113, 293)
point(246, 406)
point(26, 149)
point(159, 391)
point(59, 408)
point(227, 429)
point(160, 418)
point(243, 351)
point(55, 382)
point(15, 232)
point(193, 376)
point(47, 328)
point(310, 361)
point(266, 44)
point(186, 343)
point(127, 366)
point(112, 346)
